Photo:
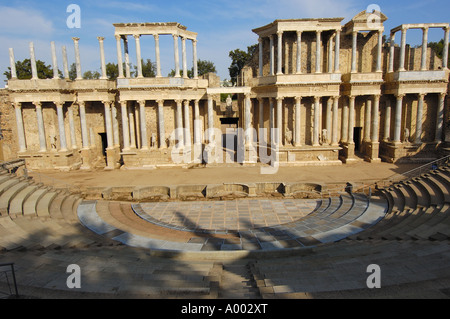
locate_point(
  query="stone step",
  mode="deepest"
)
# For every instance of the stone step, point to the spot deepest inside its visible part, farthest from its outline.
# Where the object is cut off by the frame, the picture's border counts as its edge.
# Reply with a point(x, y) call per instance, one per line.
point(8, 195)
point(17, 204)
point(30, 204)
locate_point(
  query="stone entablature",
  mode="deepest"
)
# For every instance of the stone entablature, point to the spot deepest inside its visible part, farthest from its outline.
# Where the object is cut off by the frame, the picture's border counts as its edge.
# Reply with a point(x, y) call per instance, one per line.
point(332, 103)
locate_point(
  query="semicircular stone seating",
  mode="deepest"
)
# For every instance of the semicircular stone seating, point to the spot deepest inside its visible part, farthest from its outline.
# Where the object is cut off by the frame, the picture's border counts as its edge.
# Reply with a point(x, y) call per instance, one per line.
point(404, 229)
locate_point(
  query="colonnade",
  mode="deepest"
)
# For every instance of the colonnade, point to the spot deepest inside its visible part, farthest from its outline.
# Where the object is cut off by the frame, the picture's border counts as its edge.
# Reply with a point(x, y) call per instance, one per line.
point(423, 63)
point(318, 61)
point(120, 58)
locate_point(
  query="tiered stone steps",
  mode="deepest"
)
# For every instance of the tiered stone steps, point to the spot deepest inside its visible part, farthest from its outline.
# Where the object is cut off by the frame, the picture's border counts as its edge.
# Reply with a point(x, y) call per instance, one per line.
point(334, 219)
point(34, 216)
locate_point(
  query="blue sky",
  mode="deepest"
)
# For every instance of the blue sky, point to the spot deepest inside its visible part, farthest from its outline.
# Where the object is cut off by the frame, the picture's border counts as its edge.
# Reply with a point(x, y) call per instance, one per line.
point(221, 25)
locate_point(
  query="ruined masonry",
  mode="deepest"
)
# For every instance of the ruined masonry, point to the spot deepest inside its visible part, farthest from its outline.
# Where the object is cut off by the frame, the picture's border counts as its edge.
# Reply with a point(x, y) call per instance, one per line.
point(317, 92)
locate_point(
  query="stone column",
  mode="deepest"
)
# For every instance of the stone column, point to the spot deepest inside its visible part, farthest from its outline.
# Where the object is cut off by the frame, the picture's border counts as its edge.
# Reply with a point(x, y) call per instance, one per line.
point(54, 61)
point(115, 125)
point(419, 119)
point(398, 119)
point(445, 53)
point(279, 127)
point(354, 51)
point(318, 53)
point(247, 118)
point(387, 121)
point(271, 120)
point(344, 126)
point(161, 129)
point(187, 124)
point(299, 52)
point(272, 53)
point(210, 117)
point(132, 126)
point(125, 125)
point(375, 118)
point(65, 63)
point(440, 118)
point(197, 128)
point(108, 124)
point(316, 125)
point(391, 53)
point(61, 127)
point(423, 61)
point(143, 125)
point(194, 58)
point(179, 123)
point(84, 130)
point(102, 57)
point(176, 55)
point(138, 55)
point(330, 55)
point(119, 56)
point(127, 57)
point(77, 57)
point(73, 139)
point(20, 127)
point(337, 45)
point(158, 59)
point(279, 52)
point(297, 120)
point(367, 119)
point(402, 50)
point(334, 132)
point(34, 74)
point(41, 129)
point(260, 56)
point(12, 63)
point(379, 50)
point(351, 119)
point(183, 55)
point(328, 122)
point(261, 119)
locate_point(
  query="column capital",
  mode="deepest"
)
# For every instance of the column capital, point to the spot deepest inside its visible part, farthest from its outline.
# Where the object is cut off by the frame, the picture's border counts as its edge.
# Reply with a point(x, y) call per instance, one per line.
point(37, 103)
point(178, 101)
point(81, 103)
point(107, 102)
point(156, 36)
point(186, 102)
point(298, 98)
point(279, 98)
point(160, 102)
point(351, 97)
point(442, 95)
point(58, 103)
point(299, 33)
point(175, 36)
point(260, 39)
point(425, 29)
point(136, 36)
point(317, 99)
point(400, 96)
point(421, 95)
point(76, 39)
point(100, 39)
point(123, 103)
point(279, 33)
point(141, 102)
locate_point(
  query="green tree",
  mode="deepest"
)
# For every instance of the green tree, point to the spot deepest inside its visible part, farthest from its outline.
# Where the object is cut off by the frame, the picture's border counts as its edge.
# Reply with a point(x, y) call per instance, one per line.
point(203, 67)
point(23, 70)
point(73, 71)
point(239, 59)
point(438, 48)
point(148, 68)
point(112, 71)
point(89, 75)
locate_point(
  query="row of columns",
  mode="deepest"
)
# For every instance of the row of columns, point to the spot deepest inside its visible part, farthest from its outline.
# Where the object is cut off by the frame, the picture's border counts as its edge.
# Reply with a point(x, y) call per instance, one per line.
point(423, 62)
point(419, 118)
point(182, 124)
point(157, 55)
point(276, 119)
point(318, 68)
point(354, 68)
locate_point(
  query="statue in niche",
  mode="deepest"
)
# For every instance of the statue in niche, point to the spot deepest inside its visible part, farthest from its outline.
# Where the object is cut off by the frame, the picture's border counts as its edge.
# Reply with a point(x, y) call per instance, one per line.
point(324, 136)
point(53, 140)
point(287, 136)
point(229, 106)
point(406, 135)
point(153, 140)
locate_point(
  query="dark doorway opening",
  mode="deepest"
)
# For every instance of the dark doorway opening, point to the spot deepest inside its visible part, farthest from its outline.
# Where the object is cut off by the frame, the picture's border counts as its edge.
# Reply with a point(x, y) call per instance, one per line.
point(229, 128)
point(357, 137)
point(104, 143)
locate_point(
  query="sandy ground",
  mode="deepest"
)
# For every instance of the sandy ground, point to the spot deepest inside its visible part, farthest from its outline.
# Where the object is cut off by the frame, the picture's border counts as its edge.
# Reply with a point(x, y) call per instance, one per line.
point(360, 172)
